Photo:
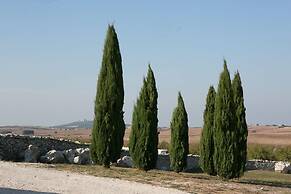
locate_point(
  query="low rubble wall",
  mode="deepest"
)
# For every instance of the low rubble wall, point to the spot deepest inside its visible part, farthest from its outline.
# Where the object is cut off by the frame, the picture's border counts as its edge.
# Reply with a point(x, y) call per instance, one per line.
point(32, 149)
point(12, 147)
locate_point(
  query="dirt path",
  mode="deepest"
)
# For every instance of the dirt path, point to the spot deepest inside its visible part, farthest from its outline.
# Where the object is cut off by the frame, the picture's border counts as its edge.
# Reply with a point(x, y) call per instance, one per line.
point(26, 179)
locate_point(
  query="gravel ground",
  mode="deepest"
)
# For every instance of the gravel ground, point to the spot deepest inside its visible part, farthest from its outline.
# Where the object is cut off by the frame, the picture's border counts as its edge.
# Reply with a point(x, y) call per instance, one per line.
point(20, 178)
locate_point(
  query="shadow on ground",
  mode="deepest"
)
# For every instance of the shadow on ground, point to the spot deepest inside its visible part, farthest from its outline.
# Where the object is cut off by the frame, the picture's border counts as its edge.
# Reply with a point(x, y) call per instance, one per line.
point(19, 191)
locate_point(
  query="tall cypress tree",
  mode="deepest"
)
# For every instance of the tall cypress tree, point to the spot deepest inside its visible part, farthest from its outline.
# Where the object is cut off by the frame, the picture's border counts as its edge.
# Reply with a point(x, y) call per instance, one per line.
point(241, 124)
point(143, 141)
point(225, 131)
point(179, 137)
point(207, 140)
point(108, 127)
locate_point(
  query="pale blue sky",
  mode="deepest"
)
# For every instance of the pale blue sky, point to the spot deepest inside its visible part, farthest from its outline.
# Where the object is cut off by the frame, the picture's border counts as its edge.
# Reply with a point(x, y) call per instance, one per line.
point(50, 55)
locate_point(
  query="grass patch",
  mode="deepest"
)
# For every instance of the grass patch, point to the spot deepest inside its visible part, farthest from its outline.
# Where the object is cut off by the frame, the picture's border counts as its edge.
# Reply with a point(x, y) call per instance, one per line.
point(267, 178)
point(190, 182)
point(260, 176)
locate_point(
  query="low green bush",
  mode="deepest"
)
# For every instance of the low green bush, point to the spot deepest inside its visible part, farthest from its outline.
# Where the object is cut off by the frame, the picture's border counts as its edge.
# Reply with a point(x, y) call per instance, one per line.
point(269, 152)
point(263, 152)
point(164, 145)
point(194, 149)
point(284, 153)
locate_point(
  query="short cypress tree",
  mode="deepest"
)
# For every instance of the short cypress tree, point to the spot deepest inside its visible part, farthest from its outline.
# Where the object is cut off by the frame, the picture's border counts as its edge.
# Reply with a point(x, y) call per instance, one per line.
point(108, 128)
point(241, 124)
point(179, 137)
point(207, 140)
point(143, 141)
point(225, 132)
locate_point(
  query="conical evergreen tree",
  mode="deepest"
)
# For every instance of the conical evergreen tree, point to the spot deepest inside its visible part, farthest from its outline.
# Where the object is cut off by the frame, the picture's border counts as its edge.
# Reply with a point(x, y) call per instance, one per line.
point(179, 137)
point(108, 128)
point(207, 140)
point(225, 131)
point(143, 141)
point(241, 124)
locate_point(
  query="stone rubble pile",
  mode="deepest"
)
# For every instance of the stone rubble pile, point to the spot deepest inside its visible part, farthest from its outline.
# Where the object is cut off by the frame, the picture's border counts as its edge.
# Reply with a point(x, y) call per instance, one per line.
point(71, 156)
point(15, 147)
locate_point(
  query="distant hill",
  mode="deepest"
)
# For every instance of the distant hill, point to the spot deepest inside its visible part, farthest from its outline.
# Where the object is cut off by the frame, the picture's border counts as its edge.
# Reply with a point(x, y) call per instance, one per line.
point(85, 124)
point(76, 124)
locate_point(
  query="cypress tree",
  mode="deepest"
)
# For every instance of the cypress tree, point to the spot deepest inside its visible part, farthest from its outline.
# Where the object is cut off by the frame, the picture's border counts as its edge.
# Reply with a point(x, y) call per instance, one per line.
point(241, 124)
point(108, 127)
point(143, 141)
point(179, 137)
point(225, 131)
point(206, 140)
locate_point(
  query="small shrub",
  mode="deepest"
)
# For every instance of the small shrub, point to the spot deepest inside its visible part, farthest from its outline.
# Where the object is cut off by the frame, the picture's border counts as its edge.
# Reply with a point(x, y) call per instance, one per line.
point(262, 152)
point(283, 153)
point(164, 145)
point(194, 149)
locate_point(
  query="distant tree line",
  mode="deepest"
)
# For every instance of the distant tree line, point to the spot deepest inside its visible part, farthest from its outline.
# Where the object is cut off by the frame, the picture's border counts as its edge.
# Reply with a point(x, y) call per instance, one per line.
point(224, 135)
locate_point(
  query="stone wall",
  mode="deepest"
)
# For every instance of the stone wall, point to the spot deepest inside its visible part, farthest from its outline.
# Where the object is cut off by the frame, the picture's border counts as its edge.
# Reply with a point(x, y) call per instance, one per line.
point(163, 163)
point(12, 147)
point(260, 165)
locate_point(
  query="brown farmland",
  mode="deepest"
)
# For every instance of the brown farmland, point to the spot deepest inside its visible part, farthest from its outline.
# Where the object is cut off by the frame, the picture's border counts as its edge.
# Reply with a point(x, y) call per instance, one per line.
point(265, 135)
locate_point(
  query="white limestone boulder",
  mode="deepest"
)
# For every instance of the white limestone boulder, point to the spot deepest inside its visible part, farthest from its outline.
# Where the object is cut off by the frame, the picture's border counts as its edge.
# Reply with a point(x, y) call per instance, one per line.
point(283, 167)
point(69, 155)
point(163, 152)
point(31, 154)
point(125, 161)
point(53, 157)
point(82, 156)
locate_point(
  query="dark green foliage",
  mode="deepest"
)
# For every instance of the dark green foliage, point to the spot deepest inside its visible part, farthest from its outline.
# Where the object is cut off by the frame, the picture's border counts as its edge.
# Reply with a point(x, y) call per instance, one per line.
point(241, 124)
point(225, 154)
point(179, 137)
point(206, 140)
point(108, 127)
point(143, 141)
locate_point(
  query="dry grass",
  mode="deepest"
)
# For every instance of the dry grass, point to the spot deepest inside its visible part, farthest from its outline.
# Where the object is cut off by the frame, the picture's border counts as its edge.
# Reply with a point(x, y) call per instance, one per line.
point(252, 182)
